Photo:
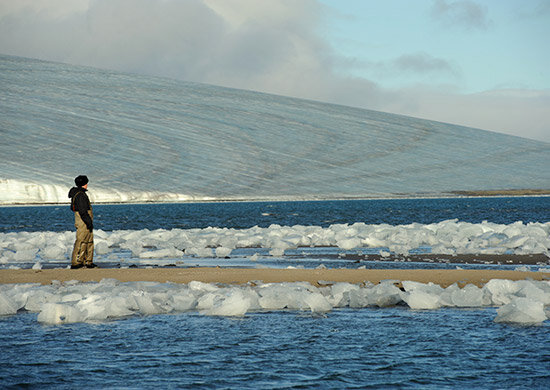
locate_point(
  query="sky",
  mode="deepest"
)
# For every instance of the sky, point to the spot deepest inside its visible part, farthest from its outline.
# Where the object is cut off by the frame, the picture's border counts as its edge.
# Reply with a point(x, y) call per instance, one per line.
point(477, 63)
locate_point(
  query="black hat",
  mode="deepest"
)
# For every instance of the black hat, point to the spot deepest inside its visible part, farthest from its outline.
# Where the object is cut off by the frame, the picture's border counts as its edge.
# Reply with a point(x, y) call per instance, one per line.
point(81, 180)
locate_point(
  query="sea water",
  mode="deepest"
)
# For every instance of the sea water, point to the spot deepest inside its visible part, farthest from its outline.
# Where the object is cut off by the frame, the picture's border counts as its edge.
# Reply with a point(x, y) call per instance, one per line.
point(241, 215)
point(342, 348)
point(367, 348)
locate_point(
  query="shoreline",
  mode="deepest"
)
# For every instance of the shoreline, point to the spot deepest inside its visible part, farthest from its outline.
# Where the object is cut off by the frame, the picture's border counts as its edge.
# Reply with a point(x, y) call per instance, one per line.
point(443, 195)
point(240, 276)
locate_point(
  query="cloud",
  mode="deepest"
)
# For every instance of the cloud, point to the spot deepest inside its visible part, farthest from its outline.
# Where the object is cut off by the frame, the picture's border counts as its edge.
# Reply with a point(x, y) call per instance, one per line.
point(419, 63)
point(423, 63)
point(522, 113)
point(238, 43)
point(534, 10)
point(272, 47)
point(463, 13)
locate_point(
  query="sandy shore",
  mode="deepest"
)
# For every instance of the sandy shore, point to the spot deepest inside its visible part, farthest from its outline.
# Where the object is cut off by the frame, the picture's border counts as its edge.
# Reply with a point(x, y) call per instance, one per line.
point(245, 275)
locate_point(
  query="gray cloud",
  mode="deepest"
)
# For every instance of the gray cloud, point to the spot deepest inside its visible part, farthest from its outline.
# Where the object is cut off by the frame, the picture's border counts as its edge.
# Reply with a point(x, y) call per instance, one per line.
point(423, 63)
point(270, 46)
point(464, 13)
point(533, 10)
point(263, 46)
point(523, 113)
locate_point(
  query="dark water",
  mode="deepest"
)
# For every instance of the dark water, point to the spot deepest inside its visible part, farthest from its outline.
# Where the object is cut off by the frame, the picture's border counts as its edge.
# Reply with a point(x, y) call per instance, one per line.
point(248, 214)
point(368, 348)
point(344, 349)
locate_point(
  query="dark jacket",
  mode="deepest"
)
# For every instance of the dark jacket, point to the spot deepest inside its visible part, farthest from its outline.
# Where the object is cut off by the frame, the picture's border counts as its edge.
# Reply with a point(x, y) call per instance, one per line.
point(81, 203)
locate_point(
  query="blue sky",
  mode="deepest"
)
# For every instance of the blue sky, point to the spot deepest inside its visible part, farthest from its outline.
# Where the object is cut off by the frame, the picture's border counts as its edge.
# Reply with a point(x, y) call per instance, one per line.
point(473, 46)
point(477, 63)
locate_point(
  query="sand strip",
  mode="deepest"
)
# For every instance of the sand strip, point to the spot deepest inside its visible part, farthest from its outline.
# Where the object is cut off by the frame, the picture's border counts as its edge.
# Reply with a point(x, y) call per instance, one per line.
point(444, 277)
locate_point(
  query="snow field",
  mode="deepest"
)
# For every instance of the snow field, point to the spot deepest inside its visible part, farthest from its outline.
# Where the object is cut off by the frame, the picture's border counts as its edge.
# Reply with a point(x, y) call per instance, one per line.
point(318, 150)
point(446, 237)
point(26, 192)
point(523, 302)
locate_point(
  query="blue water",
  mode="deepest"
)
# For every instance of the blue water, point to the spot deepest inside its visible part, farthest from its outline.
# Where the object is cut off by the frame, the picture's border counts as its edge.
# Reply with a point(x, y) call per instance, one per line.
point(368, 348)
point(247, 214)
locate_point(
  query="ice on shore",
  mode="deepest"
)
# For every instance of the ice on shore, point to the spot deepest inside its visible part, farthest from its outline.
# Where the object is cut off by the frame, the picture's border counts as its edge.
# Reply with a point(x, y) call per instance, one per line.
point(61, 303)
point(522, 311)
point(28, 192)
point(446, 237)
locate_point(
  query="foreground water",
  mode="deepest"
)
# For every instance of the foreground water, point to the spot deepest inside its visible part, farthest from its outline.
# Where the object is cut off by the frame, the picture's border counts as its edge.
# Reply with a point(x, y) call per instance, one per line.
point(368, 348)
point(291, 348)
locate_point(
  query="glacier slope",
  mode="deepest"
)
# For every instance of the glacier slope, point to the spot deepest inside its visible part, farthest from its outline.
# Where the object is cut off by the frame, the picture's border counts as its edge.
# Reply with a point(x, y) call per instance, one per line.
point(142, 138)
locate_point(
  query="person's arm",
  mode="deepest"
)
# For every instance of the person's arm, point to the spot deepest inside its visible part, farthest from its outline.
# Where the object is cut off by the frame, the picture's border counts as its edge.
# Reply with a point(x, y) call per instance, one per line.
point(81, 206)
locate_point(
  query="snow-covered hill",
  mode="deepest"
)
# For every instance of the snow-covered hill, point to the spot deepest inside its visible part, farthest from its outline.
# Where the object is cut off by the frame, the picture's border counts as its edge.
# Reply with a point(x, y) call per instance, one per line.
point(141, 138)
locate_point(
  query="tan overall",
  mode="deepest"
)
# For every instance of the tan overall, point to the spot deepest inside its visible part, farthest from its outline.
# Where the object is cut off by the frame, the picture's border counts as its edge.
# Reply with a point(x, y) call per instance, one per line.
point(83, 252)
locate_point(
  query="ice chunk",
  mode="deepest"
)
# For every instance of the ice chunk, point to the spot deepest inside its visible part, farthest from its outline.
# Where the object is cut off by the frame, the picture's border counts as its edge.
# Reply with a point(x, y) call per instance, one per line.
point(384, 294)
point(501, 290)
point(349, 243)
point(101, 247)
point(446, 237)
point(372, 296)
point(339, 294)
point(37, 297)
point(93, 307)
point(76, 302)
point(359, 298)
point(202, 287)
point(182, 302)
point(7, 305)
point(430, 287)
point(223, 252)
point(317, 302)
point(538, 291)
point(57, 313)
point(274, 297)
point(161, 253)
point(418, 299)
point(145, 303)
point(234, 302)
point(54, 251)
point(469, 296)
point(198, 251)
point(25, 254)
point(522, 311)
point(422, 296)
point(206, 302)
point(115, 307)
point(285, 295)
point(277, 252)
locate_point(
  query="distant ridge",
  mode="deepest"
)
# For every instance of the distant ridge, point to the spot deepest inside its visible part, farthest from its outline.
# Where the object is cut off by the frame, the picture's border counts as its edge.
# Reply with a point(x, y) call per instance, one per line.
point(143, 139)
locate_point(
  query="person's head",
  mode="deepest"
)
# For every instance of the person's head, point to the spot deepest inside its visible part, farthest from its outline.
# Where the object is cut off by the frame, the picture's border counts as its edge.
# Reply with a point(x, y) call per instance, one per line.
point(81, 181)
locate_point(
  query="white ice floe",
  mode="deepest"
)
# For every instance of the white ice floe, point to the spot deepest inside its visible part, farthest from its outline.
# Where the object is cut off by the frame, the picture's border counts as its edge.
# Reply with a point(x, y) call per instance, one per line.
point(522, 311)
point(523, 302)
point(446, 237)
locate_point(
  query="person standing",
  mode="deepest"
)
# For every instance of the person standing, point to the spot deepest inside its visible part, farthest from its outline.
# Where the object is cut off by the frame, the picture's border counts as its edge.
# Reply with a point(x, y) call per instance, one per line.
point(83, 251)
